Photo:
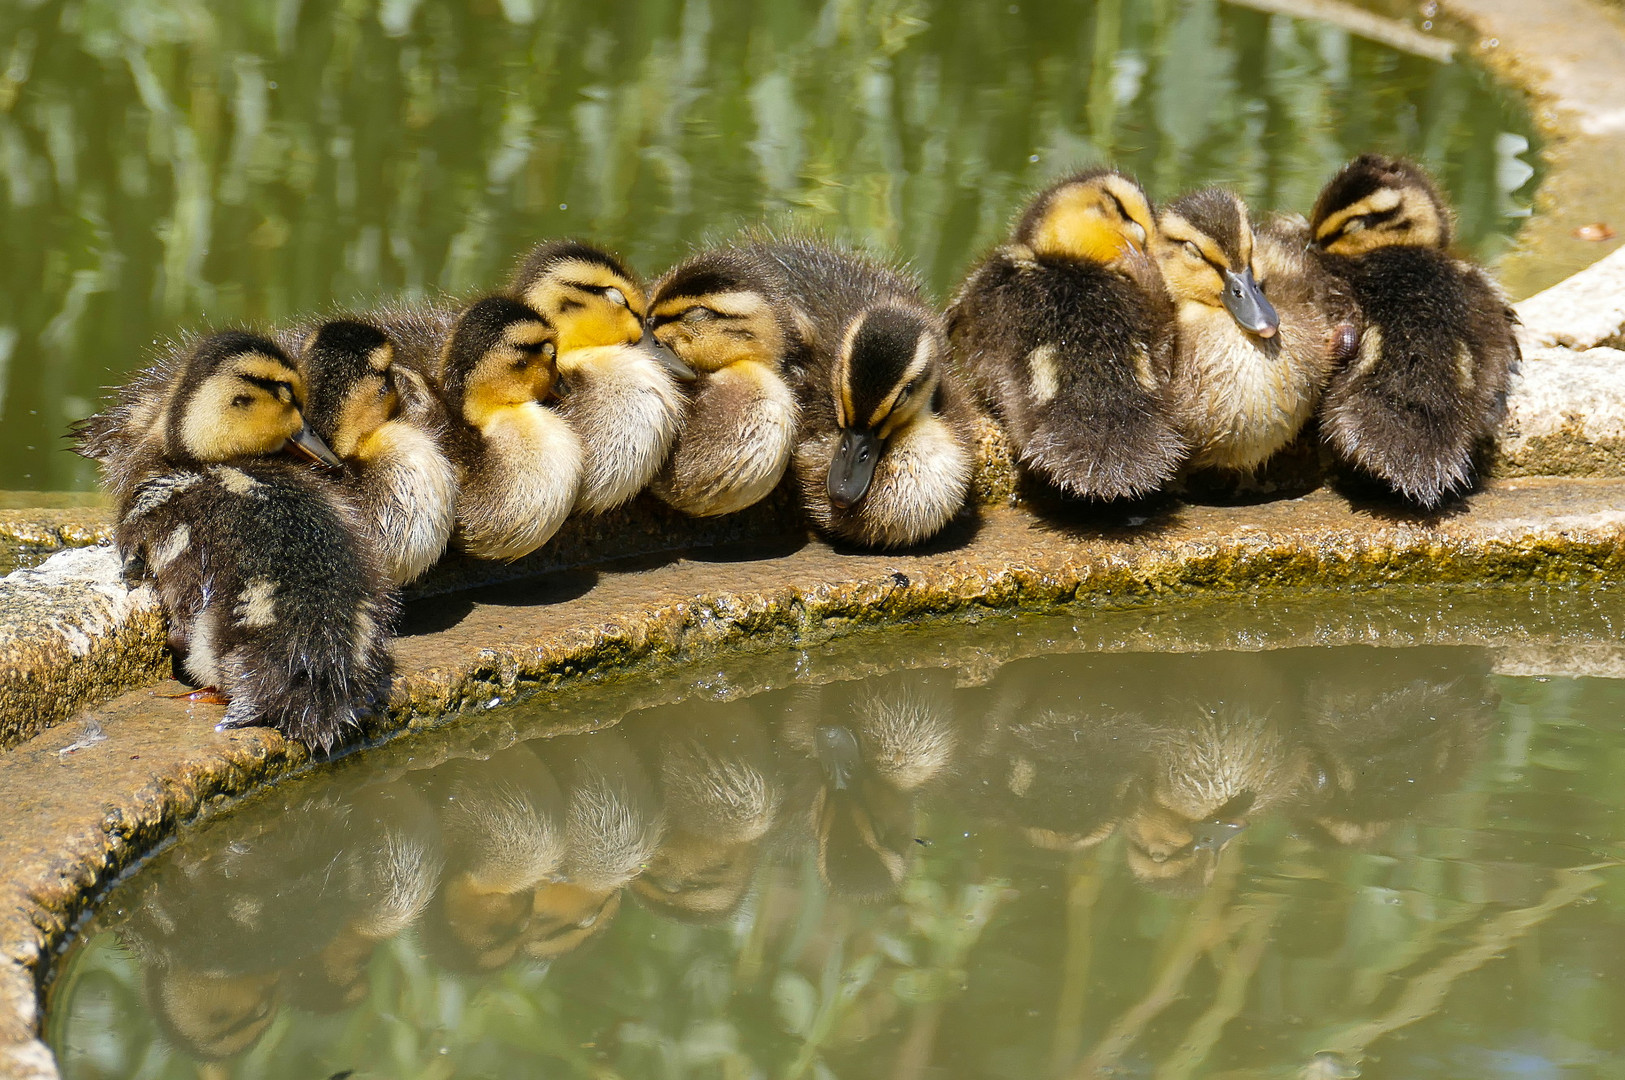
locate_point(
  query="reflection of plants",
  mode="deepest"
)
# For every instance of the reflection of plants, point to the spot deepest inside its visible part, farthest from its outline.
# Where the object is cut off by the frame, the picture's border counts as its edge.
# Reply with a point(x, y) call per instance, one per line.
point(177, 162)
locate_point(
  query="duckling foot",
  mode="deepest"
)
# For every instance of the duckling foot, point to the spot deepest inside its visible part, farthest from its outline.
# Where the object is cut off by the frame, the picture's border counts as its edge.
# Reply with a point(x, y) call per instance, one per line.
point(206, 695)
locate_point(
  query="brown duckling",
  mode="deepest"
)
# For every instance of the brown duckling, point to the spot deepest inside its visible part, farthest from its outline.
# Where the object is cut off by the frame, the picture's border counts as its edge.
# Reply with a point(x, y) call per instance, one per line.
point(723, 316)
point(271, 587)
point(883, 456)
point(1429, 384)
point(518, 462)
point(620, 389)
point(1258, 324)
point(1066, 333)
point(383, 422)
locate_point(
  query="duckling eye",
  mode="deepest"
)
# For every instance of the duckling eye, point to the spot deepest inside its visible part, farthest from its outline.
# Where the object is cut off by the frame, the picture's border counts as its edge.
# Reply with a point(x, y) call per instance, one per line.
point(1192, 250)
point(615, 296)
point(241, 401)
point(698, 314)
point(549, 350)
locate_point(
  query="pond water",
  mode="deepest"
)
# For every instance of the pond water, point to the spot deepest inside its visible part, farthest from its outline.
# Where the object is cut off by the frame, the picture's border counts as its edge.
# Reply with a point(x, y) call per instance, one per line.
point(171, 164)
point(951, 852)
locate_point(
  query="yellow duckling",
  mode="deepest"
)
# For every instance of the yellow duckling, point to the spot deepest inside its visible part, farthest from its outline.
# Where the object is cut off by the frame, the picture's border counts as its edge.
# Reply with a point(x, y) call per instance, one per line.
point(883, 456)
point(518, 462)
point(620, 390)
point(1256, 329)
point(721, 315)
point(381, 420)
point(1067, 334)
point(270, 585)
point(1429, 385)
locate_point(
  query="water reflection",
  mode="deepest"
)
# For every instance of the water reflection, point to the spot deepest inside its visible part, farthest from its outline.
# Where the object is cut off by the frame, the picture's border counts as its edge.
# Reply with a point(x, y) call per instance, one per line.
point(168, 163)
point(1288, 863)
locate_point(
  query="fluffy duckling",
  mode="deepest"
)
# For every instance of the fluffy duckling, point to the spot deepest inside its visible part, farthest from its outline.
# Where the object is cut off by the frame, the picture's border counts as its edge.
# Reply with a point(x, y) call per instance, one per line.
point(518, 462)
point(271, 589)
point(883, 456)
point(721, 315)
point(1067, 335)
point(620, 389)
point(1429, 384)
point(383, 422)
point(1257, 329)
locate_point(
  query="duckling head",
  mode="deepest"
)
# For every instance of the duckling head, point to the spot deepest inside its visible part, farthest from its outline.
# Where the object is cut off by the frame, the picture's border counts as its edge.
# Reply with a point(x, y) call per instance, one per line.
point(501, 355)
point(240, 396)
point(886, 375)
point(352, 392)
point(1095, 216)
point(1377, 201)
point(592, 299)
point(711, 315)
point(1204, 247)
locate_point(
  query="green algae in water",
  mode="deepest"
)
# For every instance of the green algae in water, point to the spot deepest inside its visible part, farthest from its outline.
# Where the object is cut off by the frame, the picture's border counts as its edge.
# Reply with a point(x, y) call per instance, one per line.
point(1291, 862)
point(172, 165)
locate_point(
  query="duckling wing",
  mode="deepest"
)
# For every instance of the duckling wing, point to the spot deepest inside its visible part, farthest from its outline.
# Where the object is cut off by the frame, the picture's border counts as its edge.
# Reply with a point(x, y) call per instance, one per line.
point(1428, 383)
point(1073, 358)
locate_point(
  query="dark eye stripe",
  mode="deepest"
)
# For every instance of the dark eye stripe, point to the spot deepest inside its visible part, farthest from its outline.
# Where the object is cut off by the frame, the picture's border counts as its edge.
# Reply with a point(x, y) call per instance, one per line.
point(275, 387)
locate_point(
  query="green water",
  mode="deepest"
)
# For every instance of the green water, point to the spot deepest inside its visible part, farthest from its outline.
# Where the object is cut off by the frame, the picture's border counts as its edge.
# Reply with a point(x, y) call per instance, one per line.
point(167, 164)
point(998, 851)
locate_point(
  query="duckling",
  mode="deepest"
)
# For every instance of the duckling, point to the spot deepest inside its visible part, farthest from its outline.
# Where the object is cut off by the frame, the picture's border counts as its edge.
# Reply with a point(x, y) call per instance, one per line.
point(1258, 326)
point(272, 592)
point(721, 315)
point(1430, 381)
point(518, 462)
point(382, 421)
point(620, 388)
point(883, 457)
point(1066, 333)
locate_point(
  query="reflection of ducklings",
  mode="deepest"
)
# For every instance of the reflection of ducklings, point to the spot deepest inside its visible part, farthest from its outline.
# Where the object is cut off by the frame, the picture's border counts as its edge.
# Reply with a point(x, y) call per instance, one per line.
point(721, 798)
point(612, 827)
point(1250, 367)
point(720, 314)
point(1068, 334)
point(270, 586)
point(622, 394)
point(877, 745)
point(504, 825)
point(392, 843)
point(1389, 738)
point(518, 461)
point(1064, 778)
point(1430, 381)
point(382, 421)
point(883, 456)
point(212, 1017)
point(1207, 780)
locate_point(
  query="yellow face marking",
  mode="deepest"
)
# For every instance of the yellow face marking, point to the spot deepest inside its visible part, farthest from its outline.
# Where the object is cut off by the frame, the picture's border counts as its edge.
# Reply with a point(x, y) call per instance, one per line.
point(249, 407)
point(371, 403)
point(518, 370)
point(590, 304)
point(1405, 216)
point(912, 392)
point(1189, 261)
point(709, 333)
point(1096, 221)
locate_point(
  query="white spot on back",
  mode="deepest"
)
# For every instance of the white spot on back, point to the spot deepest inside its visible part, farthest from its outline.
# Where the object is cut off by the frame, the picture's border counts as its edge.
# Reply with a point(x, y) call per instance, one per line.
point(1046, 381)
point(256, 605)
point(172, 547)
point(156, 492)
point(235, 480)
